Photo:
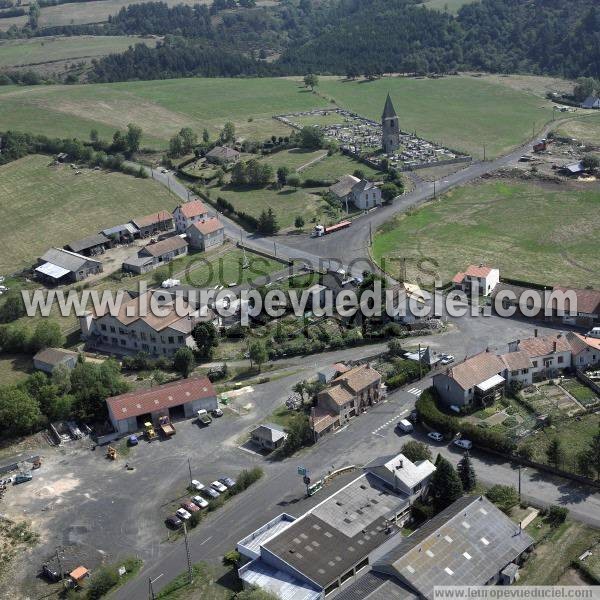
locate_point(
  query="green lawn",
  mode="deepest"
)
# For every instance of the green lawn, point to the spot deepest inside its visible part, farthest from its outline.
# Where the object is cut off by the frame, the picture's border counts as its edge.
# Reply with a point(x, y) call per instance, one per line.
point(450, 6)
point(14, 368)
point(286, 203)
point(293, 159)
point(582, 393)
point(459, 112)
point(47, 206)
point(49, 49)
point(585, 128)
point(334, 167)
point(530, 231)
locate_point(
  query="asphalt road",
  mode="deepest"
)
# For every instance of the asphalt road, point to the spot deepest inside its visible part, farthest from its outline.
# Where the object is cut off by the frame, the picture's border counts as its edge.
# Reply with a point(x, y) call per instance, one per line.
point(367, 437)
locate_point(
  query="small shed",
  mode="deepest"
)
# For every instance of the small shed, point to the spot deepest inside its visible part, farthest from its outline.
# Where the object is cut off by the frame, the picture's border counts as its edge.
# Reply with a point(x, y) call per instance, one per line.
point(47, 360)
point(78, 574)
point(268, 437)
point(91, 245)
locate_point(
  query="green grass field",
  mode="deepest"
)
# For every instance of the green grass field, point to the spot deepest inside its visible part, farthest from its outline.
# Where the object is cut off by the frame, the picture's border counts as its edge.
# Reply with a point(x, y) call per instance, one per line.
point(531, 232)
point(461, 112)
point(293, 159)
point(36, 51)
point(585, 128)
point(286, 203)
point(14, 368)
point(56, 206)
point(450, 6)
point(333, 167)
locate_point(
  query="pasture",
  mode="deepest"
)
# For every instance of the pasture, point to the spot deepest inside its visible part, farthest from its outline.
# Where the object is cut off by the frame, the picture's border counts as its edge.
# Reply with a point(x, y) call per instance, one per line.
point(460, 112)
point(39, 51)
point(584, 128)
point(533, 232)
point(44, 206)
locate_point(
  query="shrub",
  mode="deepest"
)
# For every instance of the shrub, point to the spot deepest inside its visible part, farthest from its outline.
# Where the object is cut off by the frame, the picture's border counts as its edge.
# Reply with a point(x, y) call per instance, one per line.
point(503, 496)
point(103, 580)
point(557, 515)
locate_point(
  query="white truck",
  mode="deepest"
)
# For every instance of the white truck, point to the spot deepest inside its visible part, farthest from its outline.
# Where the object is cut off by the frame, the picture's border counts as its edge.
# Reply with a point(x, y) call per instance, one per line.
point(405, 426)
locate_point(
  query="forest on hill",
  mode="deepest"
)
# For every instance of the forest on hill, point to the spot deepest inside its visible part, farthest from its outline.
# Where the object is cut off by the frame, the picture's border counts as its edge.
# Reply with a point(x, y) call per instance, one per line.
point(350, 37)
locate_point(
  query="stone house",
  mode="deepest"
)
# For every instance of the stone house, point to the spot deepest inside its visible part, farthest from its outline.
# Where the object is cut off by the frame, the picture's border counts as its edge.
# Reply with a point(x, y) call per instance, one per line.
point(188, 213)
point(206, 233)
point(222, 155)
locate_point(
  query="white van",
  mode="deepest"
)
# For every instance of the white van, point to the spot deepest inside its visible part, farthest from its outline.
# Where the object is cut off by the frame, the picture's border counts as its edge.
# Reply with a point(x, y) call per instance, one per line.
point(404, 426)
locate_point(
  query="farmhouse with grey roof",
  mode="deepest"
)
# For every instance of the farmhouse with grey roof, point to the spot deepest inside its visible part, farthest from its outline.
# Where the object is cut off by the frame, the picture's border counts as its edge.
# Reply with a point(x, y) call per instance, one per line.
point(63, 266)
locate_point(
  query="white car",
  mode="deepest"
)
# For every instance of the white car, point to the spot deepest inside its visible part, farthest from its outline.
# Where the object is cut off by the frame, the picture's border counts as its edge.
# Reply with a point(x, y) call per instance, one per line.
point(466, 444)
point(217, 485)
point(200, 501)
point(197, 485)
point(183, 514)
point(435, 436)
point(447, 359)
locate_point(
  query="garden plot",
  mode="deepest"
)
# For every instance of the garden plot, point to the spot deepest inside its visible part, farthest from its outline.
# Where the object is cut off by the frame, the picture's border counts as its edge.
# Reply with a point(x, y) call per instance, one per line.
point(549, 399)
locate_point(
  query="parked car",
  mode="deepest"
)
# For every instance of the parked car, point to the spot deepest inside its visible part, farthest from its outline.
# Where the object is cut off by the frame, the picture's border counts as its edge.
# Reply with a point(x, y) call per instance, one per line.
point(466, 444)
point(404, 426)
point(190, 506)
point(197, 485)
point(200, 501)
point(50, 574)
point(133, 440)
point(227, 481)
point(217, 485)
point(435, 436)
point(22, 478)
point(212, 493)
point(174, 522)
point(217, 412)
point(183, 514)
point(447, 359)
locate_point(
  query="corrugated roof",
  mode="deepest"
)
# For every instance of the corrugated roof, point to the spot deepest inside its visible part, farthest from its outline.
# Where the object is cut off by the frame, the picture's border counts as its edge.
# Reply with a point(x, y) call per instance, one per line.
point(90, 241)
point(52, 270)
point(66, 259)
point(138, 403)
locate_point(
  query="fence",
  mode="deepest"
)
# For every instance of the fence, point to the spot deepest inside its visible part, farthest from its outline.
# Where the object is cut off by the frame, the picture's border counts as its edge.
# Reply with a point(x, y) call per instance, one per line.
point(587, 381)
point(15, 465)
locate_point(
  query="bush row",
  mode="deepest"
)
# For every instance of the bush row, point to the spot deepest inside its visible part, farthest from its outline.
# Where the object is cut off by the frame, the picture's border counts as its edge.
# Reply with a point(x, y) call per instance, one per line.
point(430, 414)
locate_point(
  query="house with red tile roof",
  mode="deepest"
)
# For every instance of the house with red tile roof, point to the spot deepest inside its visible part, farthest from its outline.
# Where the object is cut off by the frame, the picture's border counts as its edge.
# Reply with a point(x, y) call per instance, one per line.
point(588, 306)
point(188, 213)
point(477, 280)
point(153, 224)
point(180, 399)
point(549, 354)
point(348, 395)
point(585, 350)
point(206, 233)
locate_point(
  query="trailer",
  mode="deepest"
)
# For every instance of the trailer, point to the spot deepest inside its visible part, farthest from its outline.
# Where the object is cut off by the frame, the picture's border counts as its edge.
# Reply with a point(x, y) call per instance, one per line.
point(166, 426)
point(204, 418)
point(321, 230)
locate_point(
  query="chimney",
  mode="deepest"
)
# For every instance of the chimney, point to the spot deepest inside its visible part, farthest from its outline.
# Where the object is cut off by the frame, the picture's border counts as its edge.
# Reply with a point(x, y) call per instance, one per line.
point(553, 346)
point(535, 332)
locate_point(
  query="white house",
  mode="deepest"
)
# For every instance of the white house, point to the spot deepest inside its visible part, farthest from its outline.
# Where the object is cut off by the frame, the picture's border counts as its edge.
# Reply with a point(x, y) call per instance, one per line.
point(591, 102)
point(477, 280)
point(549, 354)
point(362, 193)
point(206, 233)
point(188, 213)
point(518, 367)
point(585, 350)
point(402, 475)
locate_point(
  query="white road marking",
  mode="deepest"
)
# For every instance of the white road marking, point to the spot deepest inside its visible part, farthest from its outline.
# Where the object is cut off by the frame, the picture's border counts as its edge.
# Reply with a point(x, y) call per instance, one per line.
point(415, 391)
point(340, 429)
point(206, 540)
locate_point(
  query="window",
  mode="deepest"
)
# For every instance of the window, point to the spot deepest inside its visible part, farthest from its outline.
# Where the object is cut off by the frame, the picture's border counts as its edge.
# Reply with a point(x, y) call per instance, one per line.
point(122, 331)
point(330, 588)
point(171, 340)
point(560, 359)
point(103, 327)
point(525, 371)
point(180, 339)
point(513, 373)
point(535, 363)
point(123, 342)
point(143, 335)
point(347, 575)
point(112, 329)
point(362, 564)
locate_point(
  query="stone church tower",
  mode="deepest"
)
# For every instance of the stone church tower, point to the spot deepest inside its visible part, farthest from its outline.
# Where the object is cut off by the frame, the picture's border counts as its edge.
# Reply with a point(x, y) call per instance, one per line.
point(391, 128)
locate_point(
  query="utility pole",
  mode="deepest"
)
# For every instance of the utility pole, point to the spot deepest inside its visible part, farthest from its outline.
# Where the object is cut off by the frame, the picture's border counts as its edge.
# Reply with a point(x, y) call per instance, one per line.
point(190, 470)
point(187, 552)
point(151, 595)
point(434, 188)
point(60, 569)
point(533, 130)
point(370, 234)
point(420, 363)
point(275, 249)
point(484, 153)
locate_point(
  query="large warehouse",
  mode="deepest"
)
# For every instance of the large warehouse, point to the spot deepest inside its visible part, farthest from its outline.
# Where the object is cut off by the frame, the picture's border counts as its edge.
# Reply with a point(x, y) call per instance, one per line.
point(179, 400)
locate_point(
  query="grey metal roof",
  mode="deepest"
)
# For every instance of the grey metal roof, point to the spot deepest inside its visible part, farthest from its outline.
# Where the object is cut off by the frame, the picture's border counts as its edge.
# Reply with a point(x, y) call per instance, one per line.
point(376, 586)
point(66, 259)
point(466, 544)
point(126, 227)
point(342, 530)
point(269, 432)
point(91, 241)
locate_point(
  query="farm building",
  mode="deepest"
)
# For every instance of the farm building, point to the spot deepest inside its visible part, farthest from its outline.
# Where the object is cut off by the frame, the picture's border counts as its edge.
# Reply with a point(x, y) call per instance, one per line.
point(591, 102)
point(58, 266)
point(121, 233)
point(154, 223)
point(268, 437)
point(91, 245)
point(180, 399)
point(206, 234)
point(155, 254)
point(402, 475)
point(222, 155)
point(362, 193)
point(588, 307)
point(47, 360)
point(188, 213)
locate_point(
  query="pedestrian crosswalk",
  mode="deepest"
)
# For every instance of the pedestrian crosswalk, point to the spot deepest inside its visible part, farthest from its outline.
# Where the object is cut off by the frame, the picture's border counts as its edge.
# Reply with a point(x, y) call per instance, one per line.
point(415, 391)
point(388, 423)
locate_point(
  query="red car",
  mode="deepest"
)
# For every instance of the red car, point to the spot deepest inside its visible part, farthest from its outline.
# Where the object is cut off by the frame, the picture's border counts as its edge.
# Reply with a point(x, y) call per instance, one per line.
point(190, 506)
